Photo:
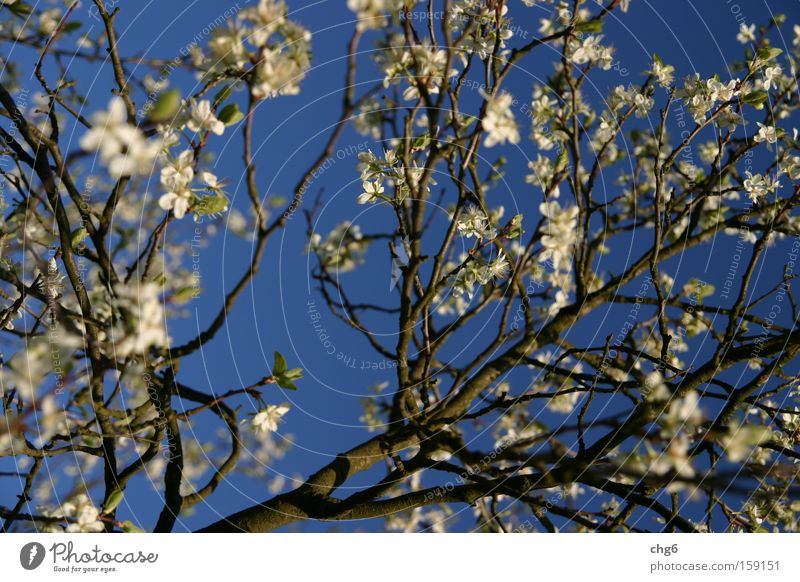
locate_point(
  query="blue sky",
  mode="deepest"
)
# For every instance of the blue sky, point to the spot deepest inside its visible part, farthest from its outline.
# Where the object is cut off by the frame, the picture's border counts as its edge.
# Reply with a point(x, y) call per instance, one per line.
point(290, 132)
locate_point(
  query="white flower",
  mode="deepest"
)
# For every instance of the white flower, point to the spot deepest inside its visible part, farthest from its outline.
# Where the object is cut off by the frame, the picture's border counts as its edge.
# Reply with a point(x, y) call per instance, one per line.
point(674, 459)
point(441, 455)
point(178, 172)
point(123, 148)
point(746, 33)
point(792, 167)
point(227, 49)
point(279, 74)
point(370, 13)
point(631, 96)
point(142, 324)
point(772, 77)
point(741, 441)
point(178, 201)
point(766, 133)
point(473, 222)
point(757, 186)
point(210, 179)
point(26, 371)
point(343, 249)
point(49, 21)
point(267, 420)
point(496, 269)
point(267, 16)
point(372, 192)
point(664, 74)
point(719, 91)
point(499, 122)
point(684, 414)
point(86, 514)
point(560, 233)
point(563, 403)
point(201, 118)
point(590, 50)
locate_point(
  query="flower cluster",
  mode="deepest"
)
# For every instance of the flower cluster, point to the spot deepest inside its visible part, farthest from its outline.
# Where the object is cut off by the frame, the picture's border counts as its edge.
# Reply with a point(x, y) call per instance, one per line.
point(123, 147)
point(423, 67)
point(499, 122)
point(474, 222)
point(141, 322)
point(758, 186)
point(476, 270)
point(372, 13)
point(280, 47)
point(630, 97)
point(375, 171)
point(177, 176)
point(701, 96)
point(589, 50)
point(487, 37)
point(80, 513)
point(342, 250)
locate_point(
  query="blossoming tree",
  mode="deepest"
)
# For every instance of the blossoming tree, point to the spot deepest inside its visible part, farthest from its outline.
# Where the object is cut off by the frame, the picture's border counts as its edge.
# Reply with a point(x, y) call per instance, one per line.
point(680, 414)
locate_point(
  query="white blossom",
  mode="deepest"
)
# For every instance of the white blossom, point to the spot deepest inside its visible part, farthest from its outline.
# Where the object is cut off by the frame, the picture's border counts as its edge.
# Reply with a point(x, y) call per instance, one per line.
point(757, 186)
point(746, 33)
point(499, 122)
point(772, 77)
point(766, 133)
point(142, 324)
point(473, 222)
point(202, 118)
point(560, 233)
point(266, 421)
point(372, 192)
point(123, 148)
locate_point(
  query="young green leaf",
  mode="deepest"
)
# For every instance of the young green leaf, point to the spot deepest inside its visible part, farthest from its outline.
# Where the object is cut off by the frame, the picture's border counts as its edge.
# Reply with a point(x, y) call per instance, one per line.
point(755, 98)
point(222, 95)
point(230, 114)
point(129, 527)
point(113, 500)
point(280, 364)
point(590, 26)
point(166, 106)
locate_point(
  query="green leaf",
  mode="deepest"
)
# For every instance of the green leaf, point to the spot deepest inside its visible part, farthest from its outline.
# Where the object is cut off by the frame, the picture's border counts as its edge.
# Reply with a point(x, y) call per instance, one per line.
point(277, 201)
point(562, 160)
point(72, 26)
point(166, 106)
point(230, 114)
point(767, 53)
point(515, 227)
point(207, 205)
point(129, 527)
point(287, 385)
point(113, 500)
point(222, 95)
point(78, 235)
point(280, 364)
point(20, 8)
point(755, 98)
point(282, 375)
point(591, 26)
point(185, 295)
point(420, 142)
